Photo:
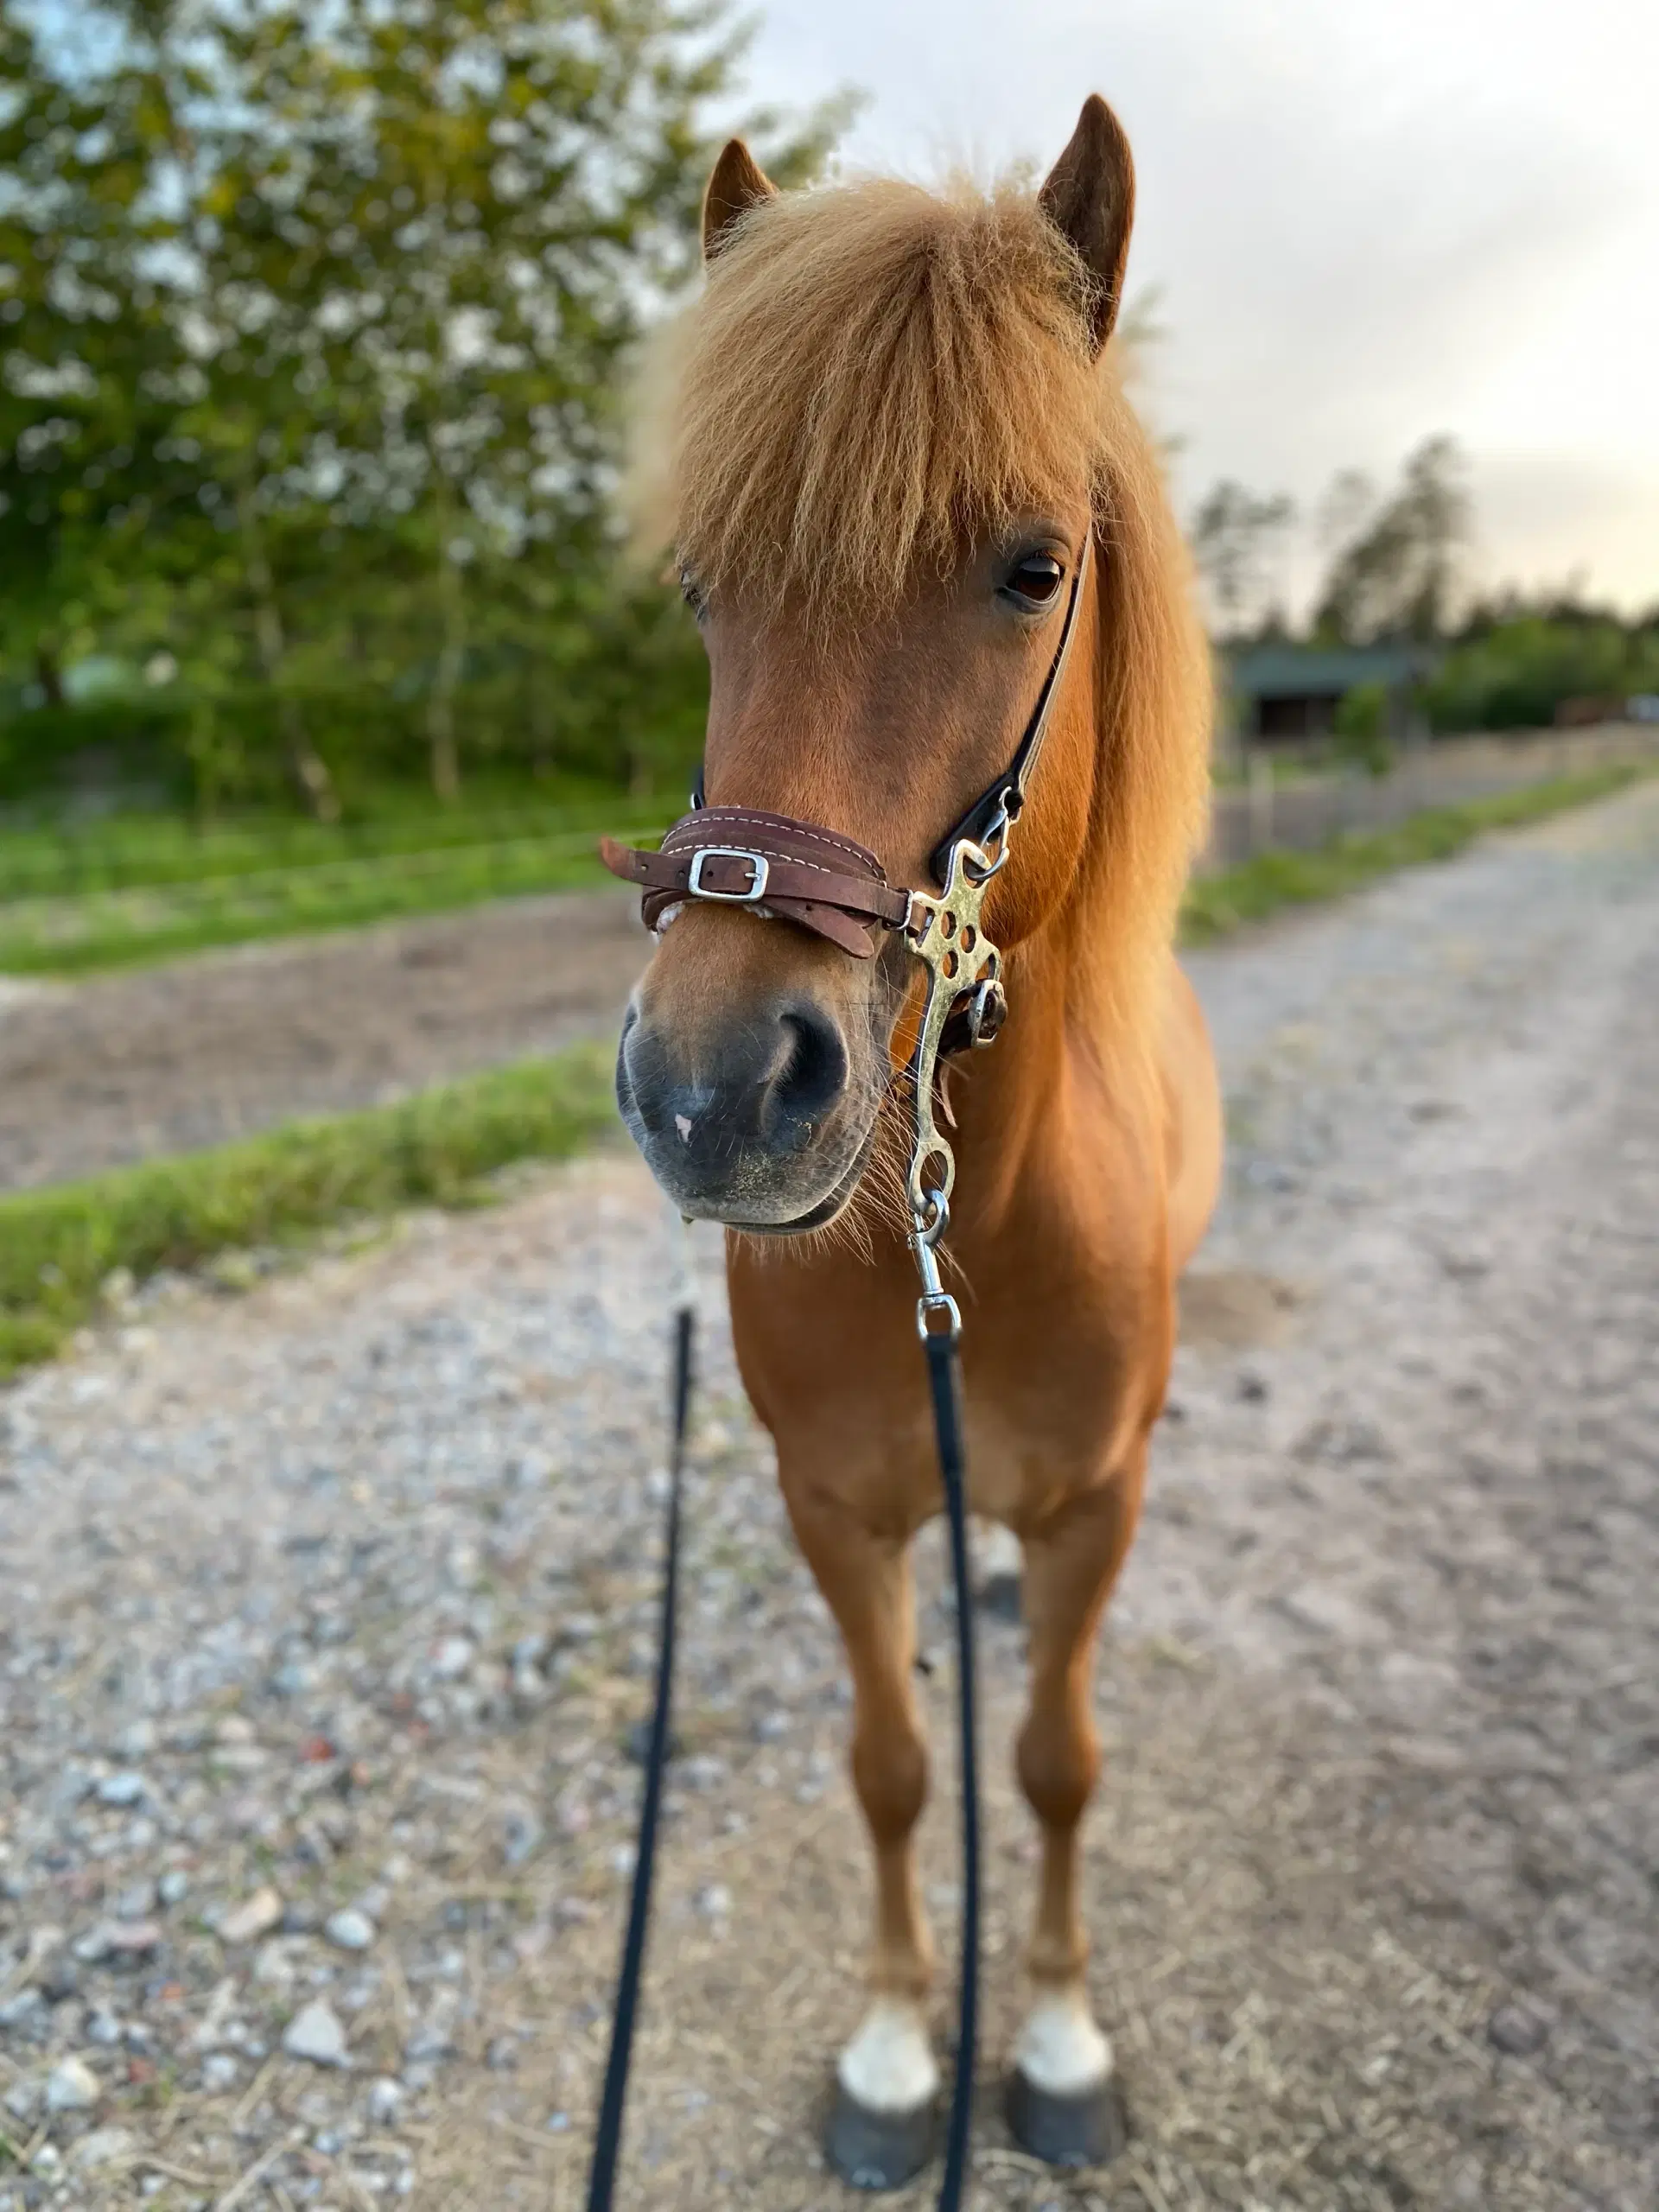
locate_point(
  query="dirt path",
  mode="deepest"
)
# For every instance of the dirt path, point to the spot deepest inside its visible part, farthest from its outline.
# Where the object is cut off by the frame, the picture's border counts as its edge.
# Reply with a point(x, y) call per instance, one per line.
point(344, 1589)
point(195, 1051)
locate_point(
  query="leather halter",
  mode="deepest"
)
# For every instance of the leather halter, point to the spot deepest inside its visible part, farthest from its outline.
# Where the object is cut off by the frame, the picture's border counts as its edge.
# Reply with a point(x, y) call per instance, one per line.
point(775, 865)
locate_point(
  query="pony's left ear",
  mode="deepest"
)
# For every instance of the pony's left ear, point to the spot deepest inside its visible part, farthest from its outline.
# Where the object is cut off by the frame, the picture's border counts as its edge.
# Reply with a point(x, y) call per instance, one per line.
point(738, 184)
point(1088, 195)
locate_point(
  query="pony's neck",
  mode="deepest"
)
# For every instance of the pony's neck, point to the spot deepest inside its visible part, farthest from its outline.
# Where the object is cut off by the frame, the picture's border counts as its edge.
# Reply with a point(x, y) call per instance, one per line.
point(1013, 1102)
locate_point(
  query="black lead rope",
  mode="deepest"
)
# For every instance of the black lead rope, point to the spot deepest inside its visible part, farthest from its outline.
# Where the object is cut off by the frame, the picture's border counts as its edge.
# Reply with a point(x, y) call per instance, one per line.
point(944, 1381)
point(608, 2141)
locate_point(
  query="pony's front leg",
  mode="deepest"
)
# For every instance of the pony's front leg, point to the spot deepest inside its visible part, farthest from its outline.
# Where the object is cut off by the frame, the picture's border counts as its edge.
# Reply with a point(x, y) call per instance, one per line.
point(1062, 2103)
point(886, 2079)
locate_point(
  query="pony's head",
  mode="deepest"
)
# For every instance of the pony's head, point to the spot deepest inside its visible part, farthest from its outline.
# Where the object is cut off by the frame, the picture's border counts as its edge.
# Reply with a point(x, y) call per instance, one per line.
point(883, 435)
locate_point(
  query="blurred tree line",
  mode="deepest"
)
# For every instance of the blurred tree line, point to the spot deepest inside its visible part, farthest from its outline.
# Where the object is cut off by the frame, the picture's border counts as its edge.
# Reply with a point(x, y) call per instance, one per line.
point(1393, 570)
point(312, 321)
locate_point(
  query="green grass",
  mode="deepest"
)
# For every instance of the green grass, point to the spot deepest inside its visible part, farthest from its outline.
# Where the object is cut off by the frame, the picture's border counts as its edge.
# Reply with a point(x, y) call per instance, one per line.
point(1249, 893)
point(127, 851)
point(58, 1246)
point(117, 928)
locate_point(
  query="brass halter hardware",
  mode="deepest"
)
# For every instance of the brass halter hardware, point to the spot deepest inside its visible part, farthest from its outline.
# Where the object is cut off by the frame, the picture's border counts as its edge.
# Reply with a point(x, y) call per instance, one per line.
point(964, 969)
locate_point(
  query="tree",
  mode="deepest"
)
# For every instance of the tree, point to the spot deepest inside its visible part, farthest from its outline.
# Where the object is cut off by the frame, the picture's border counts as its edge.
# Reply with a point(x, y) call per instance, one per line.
point(367, 273)
point(82, 468)
point(476, 205)
point(1236, 535)
point(1397, 574)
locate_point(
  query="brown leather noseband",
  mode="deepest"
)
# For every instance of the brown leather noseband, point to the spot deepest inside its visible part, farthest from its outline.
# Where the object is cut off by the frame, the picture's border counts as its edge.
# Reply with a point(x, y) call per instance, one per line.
point(742, 856)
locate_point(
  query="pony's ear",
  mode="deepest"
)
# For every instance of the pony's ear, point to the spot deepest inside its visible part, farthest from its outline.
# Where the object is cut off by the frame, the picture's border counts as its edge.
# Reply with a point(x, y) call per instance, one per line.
point(1090, 196)
point(738, 184)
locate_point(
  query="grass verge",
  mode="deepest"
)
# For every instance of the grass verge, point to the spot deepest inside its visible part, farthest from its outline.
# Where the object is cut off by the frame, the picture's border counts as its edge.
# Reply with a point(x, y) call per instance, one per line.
point(1216, 904)
point(71, 859)
point(117, 928)
point(60, 1246)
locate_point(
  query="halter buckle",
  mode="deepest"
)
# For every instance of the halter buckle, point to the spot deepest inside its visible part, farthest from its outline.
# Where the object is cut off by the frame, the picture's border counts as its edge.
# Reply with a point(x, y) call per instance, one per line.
point(697, 888)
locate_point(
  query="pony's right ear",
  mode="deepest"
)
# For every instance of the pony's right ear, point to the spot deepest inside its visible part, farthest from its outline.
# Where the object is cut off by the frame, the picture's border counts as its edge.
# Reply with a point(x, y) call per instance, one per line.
point(738, 184)
point(1089, 196)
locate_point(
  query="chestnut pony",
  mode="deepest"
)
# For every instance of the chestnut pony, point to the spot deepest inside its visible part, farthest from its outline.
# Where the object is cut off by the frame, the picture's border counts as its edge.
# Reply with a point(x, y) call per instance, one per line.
point(881, 441)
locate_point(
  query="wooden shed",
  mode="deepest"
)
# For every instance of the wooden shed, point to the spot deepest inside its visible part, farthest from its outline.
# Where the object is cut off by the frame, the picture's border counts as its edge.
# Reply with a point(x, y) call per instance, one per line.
point(1289, 694)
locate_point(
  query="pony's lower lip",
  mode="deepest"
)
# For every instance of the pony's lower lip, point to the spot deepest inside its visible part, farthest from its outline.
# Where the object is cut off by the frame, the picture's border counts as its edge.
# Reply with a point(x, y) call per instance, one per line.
point(820, 1216)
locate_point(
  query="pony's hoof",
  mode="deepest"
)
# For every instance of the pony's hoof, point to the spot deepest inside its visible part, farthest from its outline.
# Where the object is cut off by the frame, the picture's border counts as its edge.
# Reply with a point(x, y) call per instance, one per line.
point(871, 2149)
point(1084, 2128)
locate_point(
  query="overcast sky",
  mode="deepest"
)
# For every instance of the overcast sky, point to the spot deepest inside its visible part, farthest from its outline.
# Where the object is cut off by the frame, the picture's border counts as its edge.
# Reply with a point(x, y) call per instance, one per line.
point(1365, 224)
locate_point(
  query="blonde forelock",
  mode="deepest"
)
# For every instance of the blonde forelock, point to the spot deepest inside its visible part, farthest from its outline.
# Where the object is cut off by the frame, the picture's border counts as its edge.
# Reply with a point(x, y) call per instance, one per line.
point(871, 375)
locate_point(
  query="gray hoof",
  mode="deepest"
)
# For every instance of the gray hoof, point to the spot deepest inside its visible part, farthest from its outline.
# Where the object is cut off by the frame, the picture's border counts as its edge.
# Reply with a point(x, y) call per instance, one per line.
point(879, 2150)
point(1085, 2129)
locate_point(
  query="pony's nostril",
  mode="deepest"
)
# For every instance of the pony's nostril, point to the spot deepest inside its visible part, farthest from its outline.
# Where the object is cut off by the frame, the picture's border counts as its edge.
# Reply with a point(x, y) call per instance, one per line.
point(813, 1072)
point(768, 1089)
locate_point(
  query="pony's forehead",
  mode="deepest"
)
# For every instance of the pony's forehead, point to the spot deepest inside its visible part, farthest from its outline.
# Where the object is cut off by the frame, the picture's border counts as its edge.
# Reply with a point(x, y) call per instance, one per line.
point(874, 376)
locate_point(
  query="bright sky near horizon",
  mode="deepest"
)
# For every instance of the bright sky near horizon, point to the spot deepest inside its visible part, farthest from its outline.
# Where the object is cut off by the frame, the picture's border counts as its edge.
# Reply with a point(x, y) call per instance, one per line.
point(1364, 225)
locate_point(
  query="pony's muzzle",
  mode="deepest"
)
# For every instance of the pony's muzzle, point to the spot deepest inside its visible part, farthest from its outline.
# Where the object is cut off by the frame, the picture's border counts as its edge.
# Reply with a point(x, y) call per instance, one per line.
point(746, 1126)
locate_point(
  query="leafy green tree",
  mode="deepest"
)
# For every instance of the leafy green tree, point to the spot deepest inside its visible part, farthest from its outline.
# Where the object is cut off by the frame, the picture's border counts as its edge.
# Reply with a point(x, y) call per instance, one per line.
point(474, 206)
point(310, 327)
point(1362, 727)
point(1397, 576)
point(1514, 674)
point(83, 334)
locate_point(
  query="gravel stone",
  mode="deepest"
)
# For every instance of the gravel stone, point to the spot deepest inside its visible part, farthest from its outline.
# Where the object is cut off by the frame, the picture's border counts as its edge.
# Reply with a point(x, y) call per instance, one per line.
point(349, 1930)
point(23, 2099)
point(1515, 2028)
point(314, 2032)
point(104, 2146)
point(452, 1658)
point(71, 2086)
point(58, 1979)
point(254, 1917)
point(385, 2100)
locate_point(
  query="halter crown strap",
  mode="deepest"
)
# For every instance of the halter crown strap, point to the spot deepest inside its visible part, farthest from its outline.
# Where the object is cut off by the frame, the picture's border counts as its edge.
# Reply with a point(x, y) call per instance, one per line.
point(1002, 801)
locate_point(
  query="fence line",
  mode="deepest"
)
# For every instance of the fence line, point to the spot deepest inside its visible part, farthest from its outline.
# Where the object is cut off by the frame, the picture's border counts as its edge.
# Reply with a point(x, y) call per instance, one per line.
point(1303, 814)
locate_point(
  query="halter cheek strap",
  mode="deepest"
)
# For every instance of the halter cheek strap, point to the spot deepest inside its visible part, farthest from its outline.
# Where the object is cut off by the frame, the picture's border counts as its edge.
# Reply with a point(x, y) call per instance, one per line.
point(1003, 802)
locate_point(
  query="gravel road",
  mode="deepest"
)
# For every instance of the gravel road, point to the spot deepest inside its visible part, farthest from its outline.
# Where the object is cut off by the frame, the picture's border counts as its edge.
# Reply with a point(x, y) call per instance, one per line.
point(192, 1053)
point(329, 1617)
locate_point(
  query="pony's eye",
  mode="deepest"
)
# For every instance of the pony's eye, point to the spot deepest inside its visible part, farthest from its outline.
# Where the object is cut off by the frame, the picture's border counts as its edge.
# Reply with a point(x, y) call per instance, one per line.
point(691, 593)
point(1035, 580)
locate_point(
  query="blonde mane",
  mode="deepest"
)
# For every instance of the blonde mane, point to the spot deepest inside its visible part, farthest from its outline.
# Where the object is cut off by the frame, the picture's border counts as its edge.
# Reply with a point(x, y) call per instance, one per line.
point(874, 375)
